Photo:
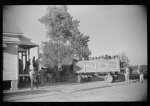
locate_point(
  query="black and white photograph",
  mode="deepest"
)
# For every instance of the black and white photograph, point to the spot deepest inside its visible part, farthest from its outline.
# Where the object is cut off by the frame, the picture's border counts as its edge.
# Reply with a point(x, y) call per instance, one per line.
point(74, 53)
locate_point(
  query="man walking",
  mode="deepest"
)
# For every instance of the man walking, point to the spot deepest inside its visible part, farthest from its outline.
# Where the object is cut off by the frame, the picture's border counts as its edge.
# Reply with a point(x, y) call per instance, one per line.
point(33, 78)
point(127, 73)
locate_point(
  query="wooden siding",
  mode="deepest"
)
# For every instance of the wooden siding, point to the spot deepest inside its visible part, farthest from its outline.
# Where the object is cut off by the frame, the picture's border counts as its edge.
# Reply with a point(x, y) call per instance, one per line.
point(88, 66)
point(10, 62)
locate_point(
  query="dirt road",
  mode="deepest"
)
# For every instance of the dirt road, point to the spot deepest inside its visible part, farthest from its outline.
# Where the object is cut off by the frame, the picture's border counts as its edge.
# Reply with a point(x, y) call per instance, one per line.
point(89, 91)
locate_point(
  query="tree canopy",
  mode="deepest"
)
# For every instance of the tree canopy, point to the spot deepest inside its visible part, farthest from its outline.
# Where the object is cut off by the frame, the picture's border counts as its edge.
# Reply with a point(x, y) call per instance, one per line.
point(65, 39)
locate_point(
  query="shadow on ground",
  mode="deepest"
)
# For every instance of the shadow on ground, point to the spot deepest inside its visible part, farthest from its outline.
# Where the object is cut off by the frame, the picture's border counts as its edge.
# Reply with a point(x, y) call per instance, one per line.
point(21, 93)
point(106, 86)
point(94, 79)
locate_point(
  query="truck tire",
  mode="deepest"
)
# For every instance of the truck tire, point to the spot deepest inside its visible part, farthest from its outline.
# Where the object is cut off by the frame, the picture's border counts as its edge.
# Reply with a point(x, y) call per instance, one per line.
point(78, 79)
point(109, 78)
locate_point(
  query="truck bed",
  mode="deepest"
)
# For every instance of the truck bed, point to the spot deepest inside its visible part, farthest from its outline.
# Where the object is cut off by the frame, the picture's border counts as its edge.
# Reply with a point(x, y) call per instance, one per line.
point(95, 66)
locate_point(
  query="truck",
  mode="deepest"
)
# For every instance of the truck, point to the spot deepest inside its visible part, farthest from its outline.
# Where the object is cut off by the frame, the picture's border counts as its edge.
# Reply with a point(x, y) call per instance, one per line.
point(85, 70)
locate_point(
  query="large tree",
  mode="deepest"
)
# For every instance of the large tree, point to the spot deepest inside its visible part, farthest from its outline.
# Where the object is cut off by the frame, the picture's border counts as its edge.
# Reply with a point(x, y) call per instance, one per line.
point(51, 55)
point(61, 28)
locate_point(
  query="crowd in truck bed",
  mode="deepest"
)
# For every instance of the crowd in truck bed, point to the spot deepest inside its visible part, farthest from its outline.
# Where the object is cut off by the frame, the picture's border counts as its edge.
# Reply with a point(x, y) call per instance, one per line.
point(105, 57)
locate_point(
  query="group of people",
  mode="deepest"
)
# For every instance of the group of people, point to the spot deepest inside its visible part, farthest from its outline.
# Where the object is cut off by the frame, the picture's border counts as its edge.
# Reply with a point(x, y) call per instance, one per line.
point(139, 70)
point(45, 75)
point(105, 57)
point(27, 65)
point(35, 75)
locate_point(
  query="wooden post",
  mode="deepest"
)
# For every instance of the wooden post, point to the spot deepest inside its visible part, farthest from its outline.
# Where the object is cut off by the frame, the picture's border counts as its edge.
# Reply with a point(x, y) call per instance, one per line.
point(25, 57)
point(23, 64)
point(29, 57)
point(21, 55)
point(17, 62)
point(25, 60)
point(38, 58)
point(17, 67)
point(96, 65)
point(28, 54)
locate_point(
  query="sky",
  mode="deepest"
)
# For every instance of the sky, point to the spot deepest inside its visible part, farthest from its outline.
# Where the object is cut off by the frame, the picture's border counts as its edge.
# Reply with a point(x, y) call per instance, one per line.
point(112, 28)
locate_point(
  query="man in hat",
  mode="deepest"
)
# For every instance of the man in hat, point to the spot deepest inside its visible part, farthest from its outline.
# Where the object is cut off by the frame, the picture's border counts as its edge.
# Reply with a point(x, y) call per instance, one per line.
point(127, 74)
point(141, 73)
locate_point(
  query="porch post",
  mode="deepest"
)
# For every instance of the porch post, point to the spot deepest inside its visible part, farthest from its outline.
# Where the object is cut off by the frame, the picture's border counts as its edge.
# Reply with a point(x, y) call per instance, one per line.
point(25, 58)
point(28, 54)
point(21, 55)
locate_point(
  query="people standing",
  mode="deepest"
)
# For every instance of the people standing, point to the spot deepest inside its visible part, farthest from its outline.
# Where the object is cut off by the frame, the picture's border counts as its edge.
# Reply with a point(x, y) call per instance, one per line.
point(127, 74)
point(33, 78)
point(141, 73)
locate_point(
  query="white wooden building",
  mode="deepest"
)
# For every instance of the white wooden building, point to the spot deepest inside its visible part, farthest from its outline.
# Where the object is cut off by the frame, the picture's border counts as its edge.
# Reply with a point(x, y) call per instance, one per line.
point(13, 43)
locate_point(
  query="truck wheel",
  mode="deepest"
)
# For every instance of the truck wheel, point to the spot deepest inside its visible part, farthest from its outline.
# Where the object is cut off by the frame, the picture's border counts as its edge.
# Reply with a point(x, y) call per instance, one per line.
point(109, 78)
point(78, 79)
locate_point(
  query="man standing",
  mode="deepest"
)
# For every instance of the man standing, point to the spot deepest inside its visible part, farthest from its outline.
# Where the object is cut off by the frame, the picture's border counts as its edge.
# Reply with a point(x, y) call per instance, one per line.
point(28, 63)
point(33, 78)
point(20, 67)
point(37, 63)
point(127, 73)
point(34, 63)
point(42, 75)
point(140, 71)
